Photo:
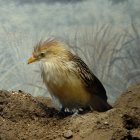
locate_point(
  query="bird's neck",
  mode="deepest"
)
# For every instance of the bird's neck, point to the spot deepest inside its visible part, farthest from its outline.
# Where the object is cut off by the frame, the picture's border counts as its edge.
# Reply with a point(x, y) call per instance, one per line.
point(56, 70)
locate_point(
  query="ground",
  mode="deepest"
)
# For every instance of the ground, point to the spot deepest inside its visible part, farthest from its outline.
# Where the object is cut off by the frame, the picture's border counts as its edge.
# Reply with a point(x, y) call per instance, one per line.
point(24, 117)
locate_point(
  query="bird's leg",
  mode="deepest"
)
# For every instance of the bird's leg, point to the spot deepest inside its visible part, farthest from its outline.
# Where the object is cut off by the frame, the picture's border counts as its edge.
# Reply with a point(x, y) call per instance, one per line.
point(62, 109)
point(75, 112)
point(83, 110)
point(64, 112)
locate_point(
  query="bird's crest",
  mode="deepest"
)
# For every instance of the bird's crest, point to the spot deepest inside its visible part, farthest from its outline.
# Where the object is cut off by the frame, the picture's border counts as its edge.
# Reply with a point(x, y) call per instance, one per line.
point(53, 46)
point(41, 45)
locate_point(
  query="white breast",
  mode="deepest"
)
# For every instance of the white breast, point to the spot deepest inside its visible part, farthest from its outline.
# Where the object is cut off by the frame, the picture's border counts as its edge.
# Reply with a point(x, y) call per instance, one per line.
point(57, 74)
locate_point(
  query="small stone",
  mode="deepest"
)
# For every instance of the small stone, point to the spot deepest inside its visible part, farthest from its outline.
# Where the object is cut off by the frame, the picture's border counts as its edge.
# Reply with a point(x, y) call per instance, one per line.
point(121, 115)
point(106, 123)
point(68, 134)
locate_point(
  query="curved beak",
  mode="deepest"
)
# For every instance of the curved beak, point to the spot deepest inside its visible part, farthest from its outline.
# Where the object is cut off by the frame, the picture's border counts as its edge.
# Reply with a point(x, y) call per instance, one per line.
point(31, 60)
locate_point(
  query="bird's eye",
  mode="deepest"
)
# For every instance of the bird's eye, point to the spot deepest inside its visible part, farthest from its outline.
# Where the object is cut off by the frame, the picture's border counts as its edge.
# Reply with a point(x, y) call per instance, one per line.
point(42, 54)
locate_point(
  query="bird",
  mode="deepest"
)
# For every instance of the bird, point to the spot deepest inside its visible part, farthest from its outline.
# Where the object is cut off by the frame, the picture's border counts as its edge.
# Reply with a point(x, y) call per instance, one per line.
point(68, 78)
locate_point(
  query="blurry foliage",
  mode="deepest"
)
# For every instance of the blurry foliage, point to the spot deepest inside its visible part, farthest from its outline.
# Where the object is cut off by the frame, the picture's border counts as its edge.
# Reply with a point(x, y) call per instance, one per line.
point(112, 55)
point(118, 1)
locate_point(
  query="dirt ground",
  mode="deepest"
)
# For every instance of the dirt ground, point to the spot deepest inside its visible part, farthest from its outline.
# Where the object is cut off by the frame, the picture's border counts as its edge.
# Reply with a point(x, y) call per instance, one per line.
point(24, 117)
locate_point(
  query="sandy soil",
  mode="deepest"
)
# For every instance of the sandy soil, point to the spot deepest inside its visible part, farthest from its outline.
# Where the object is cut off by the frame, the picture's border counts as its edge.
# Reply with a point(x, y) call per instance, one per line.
point(24, 117)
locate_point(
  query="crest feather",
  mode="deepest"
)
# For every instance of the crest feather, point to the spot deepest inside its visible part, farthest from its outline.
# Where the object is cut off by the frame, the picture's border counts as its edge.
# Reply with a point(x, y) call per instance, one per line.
point(42, 45)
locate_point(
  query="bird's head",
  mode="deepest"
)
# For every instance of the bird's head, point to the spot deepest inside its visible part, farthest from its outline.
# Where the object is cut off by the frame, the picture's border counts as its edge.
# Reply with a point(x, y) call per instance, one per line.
point(48, 50)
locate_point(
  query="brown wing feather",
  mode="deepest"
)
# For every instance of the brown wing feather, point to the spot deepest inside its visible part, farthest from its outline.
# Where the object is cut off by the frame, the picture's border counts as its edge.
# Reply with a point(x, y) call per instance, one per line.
point(91, 82)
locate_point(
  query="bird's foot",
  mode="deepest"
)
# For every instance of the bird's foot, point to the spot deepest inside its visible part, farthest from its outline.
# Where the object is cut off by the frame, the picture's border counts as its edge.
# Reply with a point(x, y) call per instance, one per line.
point(64, 112)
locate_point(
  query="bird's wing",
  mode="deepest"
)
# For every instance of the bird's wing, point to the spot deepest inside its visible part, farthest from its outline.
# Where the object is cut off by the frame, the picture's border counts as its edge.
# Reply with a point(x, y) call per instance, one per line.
point(91, 82)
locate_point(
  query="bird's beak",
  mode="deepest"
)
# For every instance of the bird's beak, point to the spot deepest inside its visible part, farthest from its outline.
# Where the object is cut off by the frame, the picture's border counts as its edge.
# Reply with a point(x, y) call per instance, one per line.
point(31, 60)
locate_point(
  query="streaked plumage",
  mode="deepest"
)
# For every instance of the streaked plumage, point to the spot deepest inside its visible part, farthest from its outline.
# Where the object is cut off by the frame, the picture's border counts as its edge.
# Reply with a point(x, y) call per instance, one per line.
point(68, 78)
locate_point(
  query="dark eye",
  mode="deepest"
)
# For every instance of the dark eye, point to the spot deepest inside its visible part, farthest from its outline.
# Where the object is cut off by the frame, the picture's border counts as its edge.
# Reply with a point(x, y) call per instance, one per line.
point(42, 54)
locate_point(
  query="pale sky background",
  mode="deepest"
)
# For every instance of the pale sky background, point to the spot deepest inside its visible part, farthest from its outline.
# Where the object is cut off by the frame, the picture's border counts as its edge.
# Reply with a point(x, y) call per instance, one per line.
point(57, 15)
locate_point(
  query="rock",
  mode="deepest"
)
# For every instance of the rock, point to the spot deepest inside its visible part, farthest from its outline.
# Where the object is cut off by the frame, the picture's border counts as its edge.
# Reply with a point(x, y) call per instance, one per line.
point(68, 134)
point(106, 123)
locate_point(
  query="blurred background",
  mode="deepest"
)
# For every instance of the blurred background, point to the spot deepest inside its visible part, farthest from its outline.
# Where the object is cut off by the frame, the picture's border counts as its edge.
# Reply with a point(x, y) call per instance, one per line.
point(104, 33)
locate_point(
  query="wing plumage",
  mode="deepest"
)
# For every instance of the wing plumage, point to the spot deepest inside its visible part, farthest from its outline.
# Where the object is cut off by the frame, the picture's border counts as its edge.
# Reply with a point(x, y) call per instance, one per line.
point(91, 82)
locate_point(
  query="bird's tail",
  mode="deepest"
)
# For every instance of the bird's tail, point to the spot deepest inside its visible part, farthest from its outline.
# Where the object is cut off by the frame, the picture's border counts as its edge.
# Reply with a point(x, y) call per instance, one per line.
point(99, 104)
